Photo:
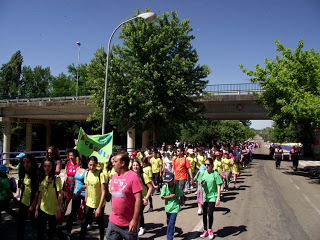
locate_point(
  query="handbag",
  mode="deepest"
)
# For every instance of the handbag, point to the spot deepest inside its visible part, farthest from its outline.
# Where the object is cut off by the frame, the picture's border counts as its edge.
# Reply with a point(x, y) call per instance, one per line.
point(200, 194)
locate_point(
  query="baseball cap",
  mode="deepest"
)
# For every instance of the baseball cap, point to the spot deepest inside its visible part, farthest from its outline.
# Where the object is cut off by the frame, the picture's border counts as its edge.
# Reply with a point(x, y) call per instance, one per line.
point(217, 153)
point(3, 168)
point(168, 177)
point(134, 153)
point(20, 155)
point(190, 151)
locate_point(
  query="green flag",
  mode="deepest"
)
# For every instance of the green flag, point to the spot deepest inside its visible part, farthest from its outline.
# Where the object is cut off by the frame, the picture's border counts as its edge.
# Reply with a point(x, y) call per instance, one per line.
point(95, 145)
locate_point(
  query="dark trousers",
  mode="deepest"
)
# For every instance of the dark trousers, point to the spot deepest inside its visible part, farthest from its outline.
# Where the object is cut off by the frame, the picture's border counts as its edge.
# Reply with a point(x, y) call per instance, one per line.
point(5, 206)
point(23, 214)
point(88, 219)
point(43, 219)
point(141, 216)
point(171, 222)
point(76, 201)
point(278, 161)
point(151, 202)
point(208, 208)
point(295, 163)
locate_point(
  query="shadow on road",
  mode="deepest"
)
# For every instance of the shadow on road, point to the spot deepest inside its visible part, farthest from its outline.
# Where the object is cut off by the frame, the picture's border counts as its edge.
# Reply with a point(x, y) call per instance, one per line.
point(157, 230)
point(222, 209)
point(309, 172)
point(231, 230)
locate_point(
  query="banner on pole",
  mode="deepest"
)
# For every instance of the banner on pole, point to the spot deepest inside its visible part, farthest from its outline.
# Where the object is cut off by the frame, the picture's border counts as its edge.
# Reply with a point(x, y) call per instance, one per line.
point(95, 145)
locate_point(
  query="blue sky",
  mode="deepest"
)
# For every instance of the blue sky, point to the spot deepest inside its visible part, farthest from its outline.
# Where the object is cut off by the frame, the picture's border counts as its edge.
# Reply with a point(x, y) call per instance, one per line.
point(227, 33)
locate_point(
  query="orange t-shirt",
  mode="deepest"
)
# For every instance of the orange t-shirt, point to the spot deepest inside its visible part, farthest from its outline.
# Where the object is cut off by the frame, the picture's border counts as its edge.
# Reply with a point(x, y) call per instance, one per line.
point(180, 168)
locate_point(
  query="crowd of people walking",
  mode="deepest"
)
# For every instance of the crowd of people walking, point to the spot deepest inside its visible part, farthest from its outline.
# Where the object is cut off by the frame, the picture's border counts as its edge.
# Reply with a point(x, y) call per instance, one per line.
point(128, 182)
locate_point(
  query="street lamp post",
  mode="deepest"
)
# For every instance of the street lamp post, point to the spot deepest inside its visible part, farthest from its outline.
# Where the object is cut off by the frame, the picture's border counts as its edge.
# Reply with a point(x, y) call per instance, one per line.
point(148, 16)
point(79, 44)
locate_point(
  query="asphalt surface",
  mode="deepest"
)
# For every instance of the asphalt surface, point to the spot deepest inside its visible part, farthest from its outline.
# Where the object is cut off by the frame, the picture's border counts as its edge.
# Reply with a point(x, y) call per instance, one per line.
point(270, 204)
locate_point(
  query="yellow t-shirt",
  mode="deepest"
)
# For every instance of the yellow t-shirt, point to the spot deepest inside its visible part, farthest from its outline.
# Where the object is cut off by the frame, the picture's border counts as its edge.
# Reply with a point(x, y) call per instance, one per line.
point(235, 167)
point(217, 165)
point(147, 180)
point(192, 160)
point(27, 191)
point(148, 171)
point(201, 159)
point(49, 200)
point(155, 164)
point(94, 188)
point(226, 163)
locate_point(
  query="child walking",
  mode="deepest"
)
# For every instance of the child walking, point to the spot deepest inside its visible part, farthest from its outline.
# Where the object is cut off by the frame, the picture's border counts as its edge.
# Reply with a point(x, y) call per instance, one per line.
point(170, 193)
point(48, 208)
point(28, 175)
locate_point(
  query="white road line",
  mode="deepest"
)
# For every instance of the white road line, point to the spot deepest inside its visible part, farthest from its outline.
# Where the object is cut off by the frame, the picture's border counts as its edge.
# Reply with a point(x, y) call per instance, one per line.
point(290, 180)
point(312, 205)
point(296, 187)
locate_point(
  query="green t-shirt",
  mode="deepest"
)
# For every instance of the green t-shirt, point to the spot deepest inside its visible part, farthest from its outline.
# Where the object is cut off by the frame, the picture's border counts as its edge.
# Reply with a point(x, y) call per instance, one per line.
point(4, 186)
point(210, 189)
point(172, 205)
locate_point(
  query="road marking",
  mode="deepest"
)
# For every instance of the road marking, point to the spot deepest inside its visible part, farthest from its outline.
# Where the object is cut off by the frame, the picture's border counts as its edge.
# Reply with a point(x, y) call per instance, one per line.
point(296, 187)
point(312, 205)
point(290, 180)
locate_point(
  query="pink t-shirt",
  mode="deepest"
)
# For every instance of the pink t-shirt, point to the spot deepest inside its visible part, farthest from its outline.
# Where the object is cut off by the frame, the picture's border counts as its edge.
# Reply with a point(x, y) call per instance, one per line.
point(123, 189)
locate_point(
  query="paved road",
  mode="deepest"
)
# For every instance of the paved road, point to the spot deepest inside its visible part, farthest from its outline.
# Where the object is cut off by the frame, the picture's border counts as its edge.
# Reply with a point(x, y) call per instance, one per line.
point(270, 204)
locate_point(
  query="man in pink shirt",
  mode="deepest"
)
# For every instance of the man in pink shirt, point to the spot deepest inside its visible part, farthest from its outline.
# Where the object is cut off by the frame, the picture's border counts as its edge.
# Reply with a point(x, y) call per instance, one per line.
point(126, 191)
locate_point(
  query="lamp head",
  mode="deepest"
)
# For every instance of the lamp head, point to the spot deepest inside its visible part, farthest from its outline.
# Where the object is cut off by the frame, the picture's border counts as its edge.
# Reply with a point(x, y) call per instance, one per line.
point(148, 16)
point(78, 43)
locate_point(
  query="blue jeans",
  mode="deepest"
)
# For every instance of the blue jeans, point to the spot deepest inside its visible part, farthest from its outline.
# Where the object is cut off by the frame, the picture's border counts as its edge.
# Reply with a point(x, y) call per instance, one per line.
point(171, 222)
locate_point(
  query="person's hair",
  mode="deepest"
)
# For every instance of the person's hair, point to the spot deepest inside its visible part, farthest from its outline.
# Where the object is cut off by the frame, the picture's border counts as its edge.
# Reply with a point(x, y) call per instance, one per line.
point(83, 161)
point(75, 152)
point(93, 158)
point(55, 151)
point(210, 160)
point(42, 174)
point(33, 171)
point(109, 164)
point(140, 167)
point(145, 161)
point(124, 158)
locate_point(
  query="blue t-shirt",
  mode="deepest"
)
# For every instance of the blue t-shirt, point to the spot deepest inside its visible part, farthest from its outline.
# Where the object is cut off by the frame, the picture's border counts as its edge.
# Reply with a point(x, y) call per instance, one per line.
point(79, 183)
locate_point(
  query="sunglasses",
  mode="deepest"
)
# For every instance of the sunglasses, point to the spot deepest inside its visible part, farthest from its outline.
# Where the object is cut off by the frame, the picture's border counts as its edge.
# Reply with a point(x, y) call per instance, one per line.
point(207, 164)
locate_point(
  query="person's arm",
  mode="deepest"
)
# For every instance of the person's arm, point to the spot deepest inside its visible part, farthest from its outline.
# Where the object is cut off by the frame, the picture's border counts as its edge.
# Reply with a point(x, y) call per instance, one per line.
point(103, 194)
point(161, 170)
point(137, 206)
point(218, 197)
point(190, 174)
point(38, 205)
point(34, 203)
point(58, 212)
point(58, 166)
point(145, 201)
point(11, 195)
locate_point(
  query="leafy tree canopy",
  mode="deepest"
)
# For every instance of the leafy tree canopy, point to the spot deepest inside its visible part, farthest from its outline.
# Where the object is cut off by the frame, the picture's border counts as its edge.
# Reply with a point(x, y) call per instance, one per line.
point(292, 85)
point(152, 76)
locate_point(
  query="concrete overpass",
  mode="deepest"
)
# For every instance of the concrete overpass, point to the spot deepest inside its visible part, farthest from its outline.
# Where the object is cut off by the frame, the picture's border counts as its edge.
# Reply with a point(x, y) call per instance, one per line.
point(225, 104)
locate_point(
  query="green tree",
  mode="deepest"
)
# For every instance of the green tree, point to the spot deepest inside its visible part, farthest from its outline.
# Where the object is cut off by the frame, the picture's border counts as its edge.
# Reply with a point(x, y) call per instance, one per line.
point(153, 77)
point(10, 75)
point(82, 74)
point(62, 85)
point(35, 82)
point(292, 86)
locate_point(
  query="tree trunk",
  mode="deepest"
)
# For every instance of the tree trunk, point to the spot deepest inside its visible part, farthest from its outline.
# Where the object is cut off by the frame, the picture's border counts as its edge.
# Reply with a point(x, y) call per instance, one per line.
point(307, 140)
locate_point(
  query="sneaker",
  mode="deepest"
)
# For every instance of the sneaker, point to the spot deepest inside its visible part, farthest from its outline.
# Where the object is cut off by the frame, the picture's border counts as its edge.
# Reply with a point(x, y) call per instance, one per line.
point(204, 234)
point(150, 209)
point(65, 232)
point(141, 231)
point(196, 192)
point(210, 234)
point(89, 227)
point(191, 187)
point(199, 211)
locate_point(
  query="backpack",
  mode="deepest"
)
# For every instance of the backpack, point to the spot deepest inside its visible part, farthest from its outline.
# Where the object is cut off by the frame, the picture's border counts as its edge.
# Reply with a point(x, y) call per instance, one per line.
point(64, 195)
point(13, 184)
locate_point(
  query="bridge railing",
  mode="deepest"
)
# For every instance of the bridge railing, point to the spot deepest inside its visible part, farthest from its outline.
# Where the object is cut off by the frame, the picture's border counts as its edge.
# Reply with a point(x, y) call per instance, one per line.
point(234, 89)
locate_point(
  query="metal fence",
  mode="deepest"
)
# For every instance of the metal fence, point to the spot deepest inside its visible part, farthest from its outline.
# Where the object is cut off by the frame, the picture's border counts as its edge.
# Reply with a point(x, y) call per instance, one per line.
point(232, 89)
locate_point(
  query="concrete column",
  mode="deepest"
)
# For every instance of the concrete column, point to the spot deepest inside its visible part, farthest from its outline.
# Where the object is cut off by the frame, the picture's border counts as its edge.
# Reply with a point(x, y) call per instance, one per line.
point(28, 136)
point(48, 135)
point(131, 139)
point(145, 139)
point(6, 139)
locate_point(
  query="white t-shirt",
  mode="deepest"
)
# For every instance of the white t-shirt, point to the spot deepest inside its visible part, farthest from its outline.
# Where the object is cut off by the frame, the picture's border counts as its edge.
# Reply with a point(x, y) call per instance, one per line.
point(167, 164)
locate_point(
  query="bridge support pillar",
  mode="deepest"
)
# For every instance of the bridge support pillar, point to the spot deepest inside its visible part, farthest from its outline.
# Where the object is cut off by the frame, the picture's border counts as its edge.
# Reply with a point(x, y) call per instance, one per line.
point(48, 135)
point(6, 139)
point(131, 140)
point(28, 136)
point(145, 139)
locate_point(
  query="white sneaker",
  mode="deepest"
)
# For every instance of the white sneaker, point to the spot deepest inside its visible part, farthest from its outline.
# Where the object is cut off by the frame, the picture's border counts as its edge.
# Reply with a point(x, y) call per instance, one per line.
point(199, 211)
point(141, 231)
point(89, 227)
